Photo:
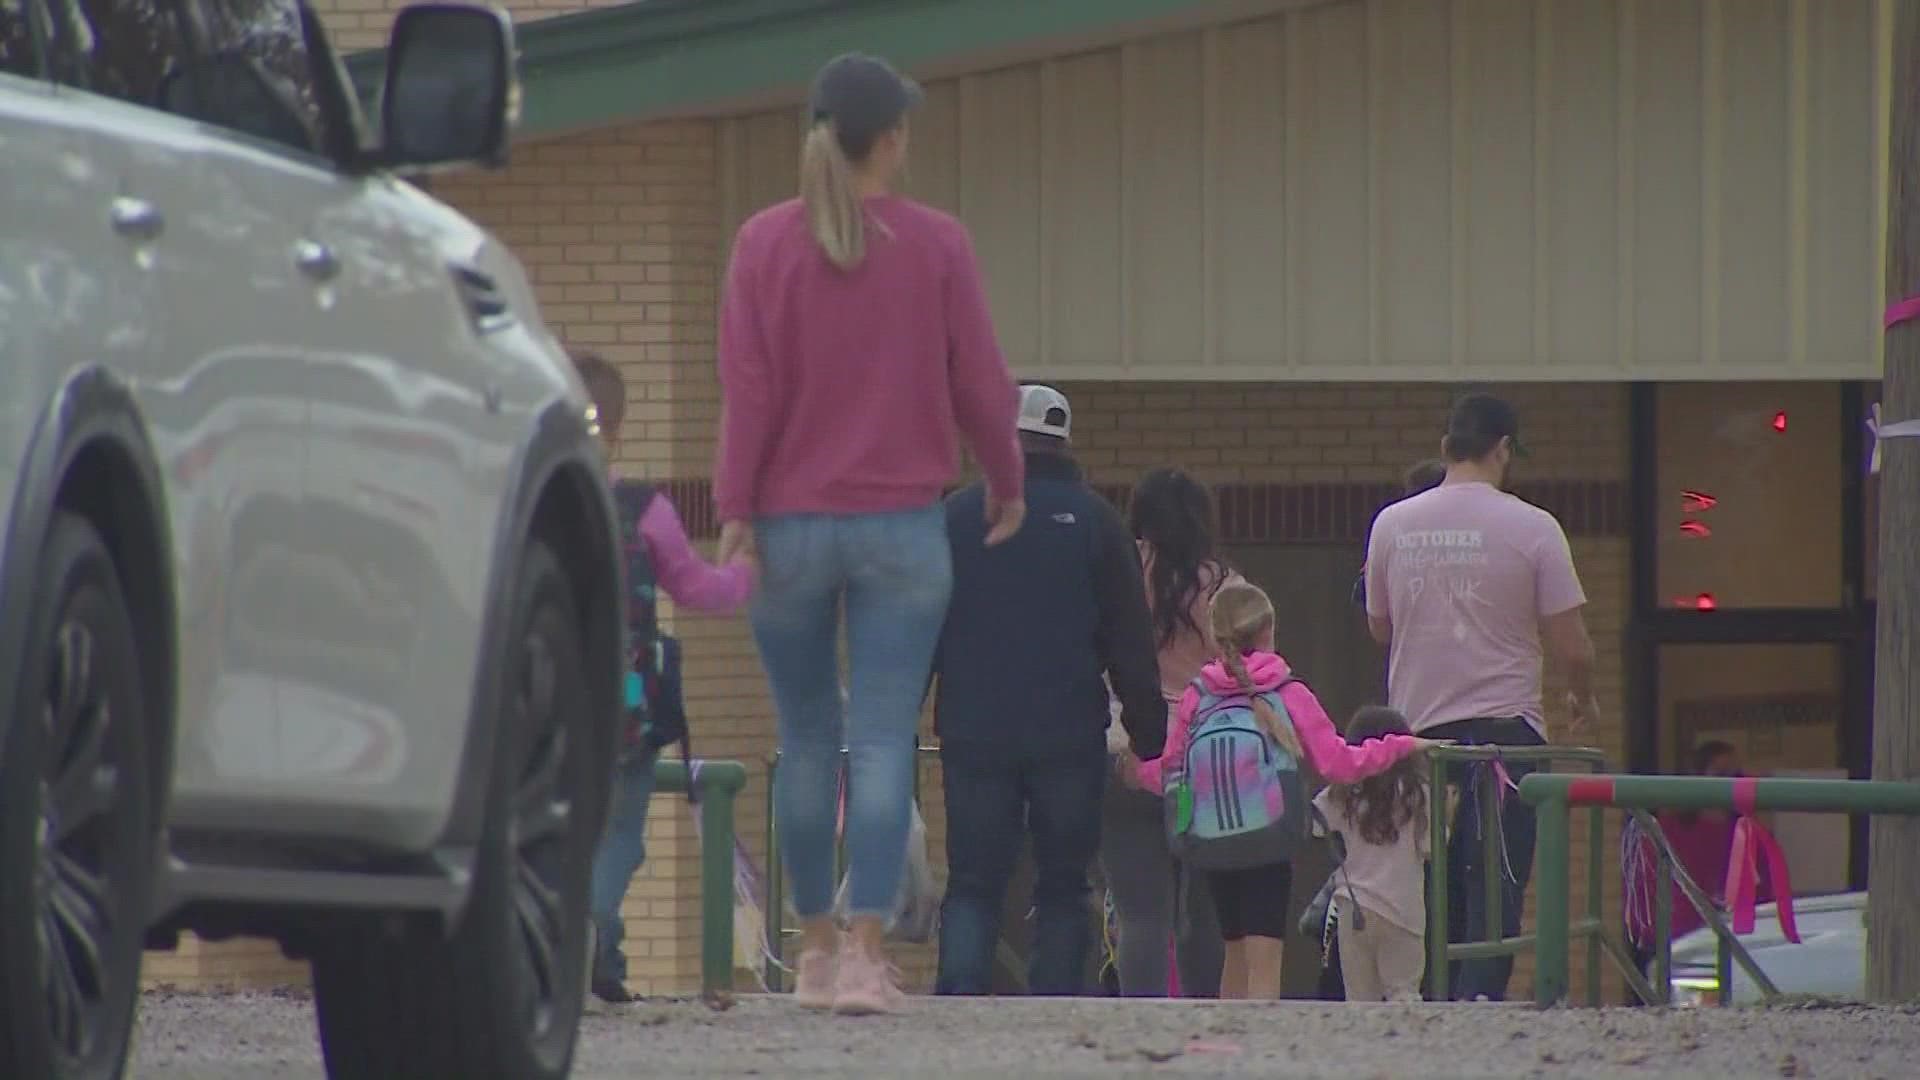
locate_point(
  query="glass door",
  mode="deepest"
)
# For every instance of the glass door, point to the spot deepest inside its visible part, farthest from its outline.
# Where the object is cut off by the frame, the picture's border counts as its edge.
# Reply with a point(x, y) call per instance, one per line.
point(1751, 636)
point(1764, 710)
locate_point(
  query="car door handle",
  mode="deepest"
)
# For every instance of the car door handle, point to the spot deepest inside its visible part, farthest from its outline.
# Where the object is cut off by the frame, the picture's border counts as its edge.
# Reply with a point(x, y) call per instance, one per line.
point(316, 260)
point(136, 219)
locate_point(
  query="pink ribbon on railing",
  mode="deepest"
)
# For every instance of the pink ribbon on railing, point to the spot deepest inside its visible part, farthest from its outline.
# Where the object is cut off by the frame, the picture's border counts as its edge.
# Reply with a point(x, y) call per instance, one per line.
point(1503, 783)
point(840, 805)
point(1751, 841)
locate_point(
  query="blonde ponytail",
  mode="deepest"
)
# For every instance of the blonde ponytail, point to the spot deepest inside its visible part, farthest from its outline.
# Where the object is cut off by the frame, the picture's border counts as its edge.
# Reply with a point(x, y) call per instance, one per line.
point(832, 197)
point(1240, 619)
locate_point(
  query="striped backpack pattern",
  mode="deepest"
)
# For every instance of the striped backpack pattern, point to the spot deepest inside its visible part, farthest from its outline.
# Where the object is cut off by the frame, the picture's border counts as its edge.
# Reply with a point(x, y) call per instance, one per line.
point(1236, 799)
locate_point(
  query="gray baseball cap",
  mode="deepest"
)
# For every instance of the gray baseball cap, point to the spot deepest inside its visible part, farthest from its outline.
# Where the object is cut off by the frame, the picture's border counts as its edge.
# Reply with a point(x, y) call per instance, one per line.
point(1044, 411)
point(863, 96)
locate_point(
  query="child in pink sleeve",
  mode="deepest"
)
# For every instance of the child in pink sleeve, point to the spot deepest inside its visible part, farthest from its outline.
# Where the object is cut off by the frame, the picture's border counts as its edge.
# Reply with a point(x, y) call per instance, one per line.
point(1379, 902)
point(1252, 903)
point(689, 580)
point(660, 558)
point(1321, 744)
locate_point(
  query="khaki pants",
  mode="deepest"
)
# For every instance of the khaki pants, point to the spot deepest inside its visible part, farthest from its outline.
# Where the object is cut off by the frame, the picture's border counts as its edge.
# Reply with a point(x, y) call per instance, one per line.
point(1382, 962)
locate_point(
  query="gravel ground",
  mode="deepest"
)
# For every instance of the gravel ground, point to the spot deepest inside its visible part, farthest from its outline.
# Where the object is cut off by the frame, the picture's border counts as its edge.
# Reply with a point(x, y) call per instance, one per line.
point(248, 1036)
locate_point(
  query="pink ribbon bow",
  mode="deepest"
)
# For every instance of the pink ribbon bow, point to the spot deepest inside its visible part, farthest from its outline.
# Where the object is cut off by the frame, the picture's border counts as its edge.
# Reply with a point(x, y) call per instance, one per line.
point(1751, 841)
point(1502, 783)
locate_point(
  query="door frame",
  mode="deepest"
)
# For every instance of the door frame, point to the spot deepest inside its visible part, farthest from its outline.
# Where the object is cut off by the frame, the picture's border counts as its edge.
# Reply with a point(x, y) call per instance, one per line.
point(1650, 625)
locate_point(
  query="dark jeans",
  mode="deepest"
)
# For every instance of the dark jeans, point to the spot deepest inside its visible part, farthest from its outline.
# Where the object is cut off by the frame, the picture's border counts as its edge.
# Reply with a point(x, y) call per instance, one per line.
point(991, 800)
point(622, 849)
point(1466, 869)
point(1155, 903)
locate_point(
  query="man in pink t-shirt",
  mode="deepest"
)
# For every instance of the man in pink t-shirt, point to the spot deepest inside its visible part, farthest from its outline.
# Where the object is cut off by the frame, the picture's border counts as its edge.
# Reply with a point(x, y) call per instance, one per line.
point(1465, 583)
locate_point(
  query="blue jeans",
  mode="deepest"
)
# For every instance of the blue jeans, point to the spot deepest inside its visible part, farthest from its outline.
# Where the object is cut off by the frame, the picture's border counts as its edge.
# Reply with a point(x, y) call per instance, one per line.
point(1466, 856)
point(892, 573)
point(991, 805)
point(622, 849)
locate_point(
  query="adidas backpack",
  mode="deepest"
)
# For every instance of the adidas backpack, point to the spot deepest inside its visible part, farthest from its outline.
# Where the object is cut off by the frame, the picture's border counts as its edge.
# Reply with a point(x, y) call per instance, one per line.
point(1235, 799)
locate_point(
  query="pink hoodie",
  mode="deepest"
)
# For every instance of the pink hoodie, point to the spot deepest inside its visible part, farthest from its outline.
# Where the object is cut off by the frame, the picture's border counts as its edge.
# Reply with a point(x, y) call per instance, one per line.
point(1328, 753)
point(687, 579)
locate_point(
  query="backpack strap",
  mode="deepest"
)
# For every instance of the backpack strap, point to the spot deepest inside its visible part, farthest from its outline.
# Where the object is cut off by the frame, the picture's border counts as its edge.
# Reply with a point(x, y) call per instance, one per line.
point(638, 608)
point(1207, 694)
point(631, 498)
point(671, 709)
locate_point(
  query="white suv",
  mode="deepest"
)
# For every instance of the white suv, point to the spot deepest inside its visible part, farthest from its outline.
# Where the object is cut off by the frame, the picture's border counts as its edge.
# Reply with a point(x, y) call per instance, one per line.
point(310, 589)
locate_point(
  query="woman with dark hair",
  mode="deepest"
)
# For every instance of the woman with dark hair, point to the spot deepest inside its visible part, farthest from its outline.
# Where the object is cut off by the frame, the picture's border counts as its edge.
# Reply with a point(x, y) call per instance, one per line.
point(1171, 516)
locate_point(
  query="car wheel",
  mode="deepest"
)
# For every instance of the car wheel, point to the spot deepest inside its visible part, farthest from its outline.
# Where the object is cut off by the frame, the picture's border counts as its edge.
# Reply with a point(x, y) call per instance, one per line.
point(501, 996)
point(76, 823)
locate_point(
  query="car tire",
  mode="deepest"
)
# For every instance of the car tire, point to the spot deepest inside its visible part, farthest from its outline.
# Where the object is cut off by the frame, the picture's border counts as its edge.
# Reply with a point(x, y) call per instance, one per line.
point(501, 995)
point(77, 829)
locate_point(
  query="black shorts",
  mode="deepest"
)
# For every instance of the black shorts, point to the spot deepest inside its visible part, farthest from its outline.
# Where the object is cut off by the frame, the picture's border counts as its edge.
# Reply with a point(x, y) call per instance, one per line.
point(1252, 903)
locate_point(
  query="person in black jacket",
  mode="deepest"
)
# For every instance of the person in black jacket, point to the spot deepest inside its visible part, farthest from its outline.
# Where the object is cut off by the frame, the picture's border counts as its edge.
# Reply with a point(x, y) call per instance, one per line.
point(1037, 629)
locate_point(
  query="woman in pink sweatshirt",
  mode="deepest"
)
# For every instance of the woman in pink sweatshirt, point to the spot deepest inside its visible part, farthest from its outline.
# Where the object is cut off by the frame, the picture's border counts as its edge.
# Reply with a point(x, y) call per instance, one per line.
point(855, 351)
point(1252, 904)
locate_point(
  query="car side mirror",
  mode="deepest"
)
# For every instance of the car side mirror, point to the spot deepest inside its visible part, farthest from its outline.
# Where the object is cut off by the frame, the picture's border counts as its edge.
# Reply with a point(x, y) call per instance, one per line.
point(452, 96)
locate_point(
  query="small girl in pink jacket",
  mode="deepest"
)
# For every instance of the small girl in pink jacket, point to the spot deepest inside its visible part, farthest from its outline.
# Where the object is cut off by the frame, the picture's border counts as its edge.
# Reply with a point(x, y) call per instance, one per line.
point(1252, 903)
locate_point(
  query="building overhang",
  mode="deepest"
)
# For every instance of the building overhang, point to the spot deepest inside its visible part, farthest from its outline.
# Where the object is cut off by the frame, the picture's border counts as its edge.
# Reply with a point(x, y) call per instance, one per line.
point(654, 58)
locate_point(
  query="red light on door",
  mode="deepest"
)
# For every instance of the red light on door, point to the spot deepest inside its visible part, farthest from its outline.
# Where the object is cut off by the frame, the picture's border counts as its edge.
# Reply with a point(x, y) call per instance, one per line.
point(1699, 529)
point(1780, 421)
point(1697, 502)
point(1704, 602)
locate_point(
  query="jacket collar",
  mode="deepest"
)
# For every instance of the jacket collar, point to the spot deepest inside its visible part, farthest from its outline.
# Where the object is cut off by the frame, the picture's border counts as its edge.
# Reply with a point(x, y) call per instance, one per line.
point(1048, 465)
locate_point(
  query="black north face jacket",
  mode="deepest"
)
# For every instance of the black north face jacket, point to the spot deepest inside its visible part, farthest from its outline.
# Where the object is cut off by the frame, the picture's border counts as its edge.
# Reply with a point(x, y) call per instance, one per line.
point(1037, 621)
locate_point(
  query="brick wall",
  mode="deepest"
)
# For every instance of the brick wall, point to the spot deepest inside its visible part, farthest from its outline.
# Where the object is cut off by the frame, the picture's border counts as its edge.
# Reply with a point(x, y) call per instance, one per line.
point(354, 25)
point(239, 962)
point(619, 230)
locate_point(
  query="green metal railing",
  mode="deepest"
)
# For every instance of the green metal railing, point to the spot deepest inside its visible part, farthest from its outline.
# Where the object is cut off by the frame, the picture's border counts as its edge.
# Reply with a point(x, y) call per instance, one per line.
point(717, 783)
point(1448, 763)
point(1657, 989)
point(1556, 795)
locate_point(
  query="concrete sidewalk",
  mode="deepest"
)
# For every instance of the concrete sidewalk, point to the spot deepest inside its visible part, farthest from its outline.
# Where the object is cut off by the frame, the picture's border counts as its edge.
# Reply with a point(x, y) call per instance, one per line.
point(254, 1035)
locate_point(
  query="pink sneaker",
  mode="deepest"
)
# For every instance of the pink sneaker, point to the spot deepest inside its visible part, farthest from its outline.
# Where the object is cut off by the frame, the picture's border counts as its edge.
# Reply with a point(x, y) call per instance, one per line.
point(815, 983)
point(867, 985)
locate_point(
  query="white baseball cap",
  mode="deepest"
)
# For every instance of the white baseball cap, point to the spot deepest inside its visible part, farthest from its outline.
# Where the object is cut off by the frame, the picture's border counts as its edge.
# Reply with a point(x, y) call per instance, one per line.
point(1044, 411)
